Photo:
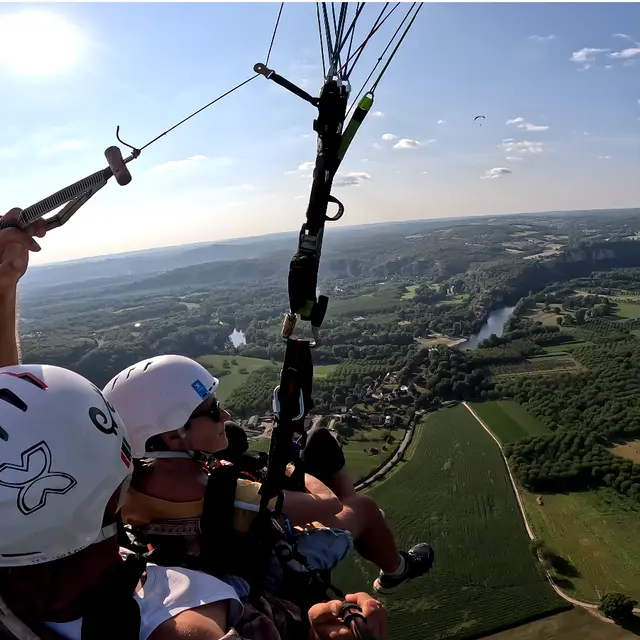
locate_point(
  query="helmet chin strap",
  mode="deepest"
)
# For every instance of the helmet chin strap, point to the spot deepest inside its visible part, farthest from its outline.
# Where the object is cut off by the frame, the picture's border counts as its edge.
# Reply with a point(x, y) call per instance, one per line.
point(198, 456)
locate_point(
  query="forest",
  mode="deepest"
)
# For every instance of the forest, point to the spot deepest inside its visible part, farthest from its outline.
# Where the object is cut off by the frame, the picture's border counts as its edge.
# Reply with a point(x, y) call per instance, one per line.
point(399, 297)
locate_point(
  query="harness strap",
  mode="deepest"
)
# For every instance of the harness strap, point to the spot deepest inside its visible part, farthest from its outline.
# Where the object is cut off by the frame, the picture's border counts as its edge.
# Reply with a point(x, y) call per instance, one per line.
point(219, 541)
point(112, 611)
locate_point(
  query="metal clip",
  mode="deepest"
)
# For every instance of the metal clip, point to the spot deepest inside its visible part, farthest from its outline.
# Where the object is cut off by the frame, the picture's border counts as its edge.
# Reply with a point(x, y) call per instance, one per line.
point(276, 404)
point(289, 324)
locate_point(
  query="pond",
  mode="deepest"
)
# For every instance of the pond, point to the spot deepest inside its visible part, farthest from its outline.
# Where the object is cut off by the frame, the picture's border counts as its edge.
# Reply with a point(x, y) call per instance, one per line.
point(237, 338)
point(495, 324)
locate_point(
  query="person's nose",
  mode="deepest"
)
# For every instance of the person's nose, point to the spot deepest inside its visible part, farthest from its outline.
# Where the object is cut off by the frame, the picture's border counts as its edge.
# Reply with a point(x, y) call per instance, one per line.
point(224, 415)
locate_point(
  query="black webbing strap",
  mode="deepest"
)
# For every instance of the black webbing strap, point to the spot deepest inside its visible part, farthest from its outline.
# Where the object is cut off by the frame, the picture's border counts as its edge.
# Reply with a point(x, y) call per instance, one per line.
point(303, 269)
point(113, 611)
point(218, 541)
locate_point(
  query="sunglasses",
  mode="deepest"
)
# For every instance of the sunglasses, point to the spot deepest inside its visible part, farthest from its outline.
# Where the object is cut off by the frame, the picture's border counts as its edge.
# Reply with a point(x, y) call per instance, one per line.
point(212, 411)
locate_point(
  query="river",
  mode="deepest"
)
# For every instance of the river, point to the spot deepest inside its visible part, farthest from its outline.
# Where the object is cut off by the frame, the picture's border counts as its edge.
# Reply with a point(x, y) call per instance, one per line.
point(495, 324)
point(237, 338)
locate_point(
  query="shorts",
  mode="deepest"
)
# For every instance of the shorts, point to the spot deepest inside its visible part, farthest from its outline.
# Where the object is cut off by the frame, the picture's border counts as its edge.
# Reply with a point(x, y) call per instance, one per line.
point(324, 548)
point(322, 454)
point(166, 593)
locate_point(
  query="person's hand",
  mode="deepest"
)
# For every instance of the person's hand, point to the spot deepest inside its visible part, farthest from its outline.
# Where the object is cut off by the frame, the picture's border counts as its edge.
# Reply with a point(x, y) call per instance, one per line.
point(326, 623)
point(15, 245)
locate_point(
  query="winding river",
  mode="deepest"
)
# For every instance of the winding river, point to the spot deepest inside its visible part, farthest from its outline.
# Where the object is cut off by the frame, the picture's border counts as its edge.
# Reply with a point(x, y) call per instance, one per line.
point(495, 324)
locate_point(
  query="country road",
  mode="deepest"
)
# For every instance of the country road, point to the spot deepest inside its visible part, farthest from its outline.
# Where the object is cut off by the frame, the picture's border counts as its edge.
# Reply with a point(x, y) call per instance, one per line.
point(585, 605)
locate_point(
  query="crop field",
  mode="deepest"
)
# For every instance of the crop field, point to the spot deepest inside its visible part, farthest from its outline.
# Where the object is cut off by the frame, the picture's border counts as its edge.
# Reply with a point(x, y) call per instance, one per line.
point(597, 531)
point(385, 298)
point(533, 366)
point(231, 381)
point(508, 420)
point(454, 492)
point(360, 462)
point(567, 347)
point(577, 624)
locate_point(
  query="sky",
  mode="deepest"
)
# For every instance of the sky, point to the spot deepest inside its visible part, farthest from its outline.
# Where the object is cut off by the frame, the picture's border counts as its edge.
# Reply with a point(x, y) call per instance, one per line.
point(558, 84)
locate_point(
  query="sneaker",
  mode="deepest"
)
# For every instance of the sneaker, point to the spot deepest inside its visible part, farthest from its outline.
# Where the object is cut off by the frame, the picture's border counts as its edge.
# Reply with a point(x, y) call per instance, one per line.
point(418, 561)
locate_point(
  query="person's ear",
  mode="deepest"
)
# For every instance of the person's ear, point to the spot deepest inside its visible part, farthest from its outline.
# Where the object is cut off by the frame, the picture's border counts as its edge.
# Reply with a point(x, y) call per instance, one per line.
point(171, 439)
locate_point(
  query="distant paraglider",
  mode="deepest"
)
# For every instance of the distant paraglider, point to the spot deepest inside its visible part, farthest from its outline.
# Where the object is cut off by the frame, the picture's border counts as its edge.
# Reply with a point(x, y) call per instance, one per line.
point(479, 117)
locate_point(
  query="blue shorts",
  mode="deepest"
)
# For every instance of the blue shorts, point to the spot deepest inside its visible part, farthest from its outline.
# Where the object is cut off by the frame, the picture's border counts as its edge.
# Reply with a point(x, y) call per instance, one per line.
point(323, 548)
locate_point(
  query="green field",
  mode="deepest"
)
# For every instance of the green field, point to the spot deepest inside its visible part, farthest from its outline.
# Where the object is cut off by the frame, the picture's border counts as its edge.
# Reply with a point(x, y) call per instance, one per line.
point(626, 310)
point(411, 292)
point(230, 382)
point(561, 349)
point(597, 531)
point(455, 493)
point(324, 370)
point(537, 366)
point(361, 464)
point(385, 298)
point(508, 420)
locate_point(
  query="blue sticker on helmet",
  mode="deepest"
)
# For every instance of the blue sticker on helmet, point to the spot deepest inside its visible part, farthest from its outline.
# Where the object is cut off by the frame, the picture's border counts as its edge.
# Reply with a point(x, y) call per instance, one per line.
point(200, 389)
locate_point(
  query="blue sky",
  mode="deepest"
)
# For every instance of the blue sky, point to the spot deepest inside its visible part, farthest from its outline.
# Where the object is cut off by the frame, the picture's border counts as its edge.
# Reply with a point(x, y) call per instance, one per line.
point(569, 85)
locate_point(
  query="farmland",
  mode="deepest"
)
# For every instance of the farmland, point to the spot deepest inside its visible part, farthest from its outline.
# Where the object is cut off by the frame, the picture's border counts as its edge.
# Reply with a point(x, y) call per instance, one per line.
point(596, 531)
point(577, 624)
point(385, 298)
point(357, 451)
point(508, 420)
point(537, 365)
point(484, 578)
point(239, 368)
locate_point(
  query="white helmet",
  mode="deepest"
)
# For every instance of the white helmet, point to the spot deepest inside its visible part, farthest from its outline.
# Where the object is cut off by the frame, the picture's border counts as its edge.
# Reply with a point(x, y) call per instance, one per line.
point(63, 454)
point(158, 395)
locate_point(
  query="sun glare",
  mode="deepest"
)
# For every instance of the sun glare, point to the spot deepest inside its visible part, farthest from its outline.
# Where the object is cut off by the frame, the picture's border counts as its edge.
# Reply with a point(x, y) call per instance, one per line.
point(38, 43)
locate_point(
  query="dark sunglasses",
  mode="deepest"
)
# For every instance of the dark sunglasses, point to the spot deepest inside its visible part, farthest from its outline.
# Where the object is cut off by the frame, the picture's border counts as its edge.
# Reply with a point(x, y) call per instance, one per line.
point(212, 411)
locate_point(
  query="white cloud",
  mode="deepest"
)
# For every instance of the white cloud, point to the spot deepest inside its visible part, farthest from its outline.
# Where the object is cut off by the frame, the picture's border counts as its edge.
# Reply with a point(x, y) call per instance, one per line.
point(542, 38)
point(527, 126)
point(626, 53)
point(304, 170)
point(604, 157)
point(440, 122)
point(496, 172)
point(377, 114)
point(512, 158)
point(622, 35)
point(389, 136)
point(521, 148)
point(351, 179)
point(65, 145)
point(192, 162)
point(376, 145)
point(406, 143)
point(585, 56)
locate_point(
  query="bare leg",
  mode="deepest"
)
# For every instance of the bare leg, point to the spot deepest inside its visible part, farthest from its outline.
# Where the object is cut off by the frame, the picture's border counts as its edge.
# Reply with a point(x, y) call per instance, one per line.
point(373, 538)
point(341, 484)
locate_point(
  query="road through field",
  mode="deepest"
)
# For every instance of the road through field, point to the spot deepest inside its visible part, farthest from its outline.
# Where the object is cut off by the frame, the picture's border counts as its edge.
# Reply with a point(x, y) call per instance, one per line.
point(559, 591)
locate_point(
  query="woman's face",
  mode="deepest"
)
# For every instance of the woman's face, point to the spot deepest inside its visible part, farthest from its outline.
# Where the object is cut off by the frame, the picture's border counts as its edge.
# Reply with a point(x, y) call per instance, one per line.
point(205, 430)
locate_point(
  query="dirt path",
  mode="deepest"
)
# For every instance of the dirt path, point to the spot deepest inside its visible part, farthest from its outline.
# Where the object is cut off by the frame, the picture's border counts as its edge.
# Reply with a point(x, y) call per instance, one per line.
point(585, 605)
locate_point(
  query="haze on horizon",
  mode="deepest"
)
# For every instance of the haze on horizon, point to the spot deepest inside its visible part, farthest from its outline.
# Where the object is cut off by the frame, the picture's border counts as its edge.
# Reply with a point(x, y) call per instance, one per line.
point(558, 85)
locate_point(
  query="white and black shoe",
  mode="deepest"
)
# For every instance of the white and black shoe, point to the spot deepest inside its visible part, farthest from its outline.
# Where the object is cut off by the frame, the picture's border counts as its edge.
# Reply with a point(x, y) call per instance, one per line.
point(417, 561)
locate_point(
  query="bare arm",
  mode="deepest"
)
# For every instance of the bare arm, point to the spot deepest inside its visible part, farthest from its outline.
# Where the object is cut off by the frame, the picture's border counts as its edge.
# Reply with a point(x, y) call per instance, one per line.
point(15, 245)
point(9, 348)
